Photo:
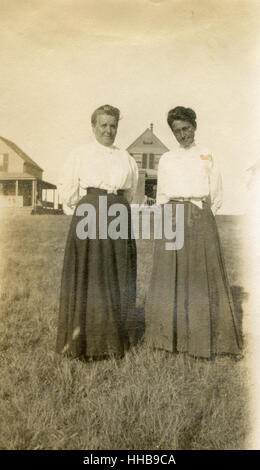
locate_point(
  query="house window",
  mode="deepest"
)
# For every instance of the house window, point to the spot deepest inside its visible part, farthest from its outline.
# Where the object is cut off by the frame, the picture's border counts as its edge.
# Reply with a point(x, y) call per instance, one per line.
point(151, 161)
point(148, 161)
point(3, 162)
point(144, 160)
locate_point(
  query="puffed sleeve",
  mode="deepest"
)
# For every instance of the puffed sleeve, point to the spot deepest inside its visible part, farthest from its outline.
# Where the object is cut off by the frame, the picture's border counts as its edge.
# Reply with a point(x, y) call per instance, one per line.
point(129, 193)
point(216, 188)
point(68, 183)
point(161, 197)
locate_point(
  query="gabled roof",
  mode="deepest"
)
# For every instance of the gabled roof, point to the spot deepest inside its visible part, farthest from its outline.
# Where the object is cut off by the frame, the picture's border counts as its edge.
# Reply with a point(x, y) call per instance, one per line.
point(20, 152)
point(147, 141)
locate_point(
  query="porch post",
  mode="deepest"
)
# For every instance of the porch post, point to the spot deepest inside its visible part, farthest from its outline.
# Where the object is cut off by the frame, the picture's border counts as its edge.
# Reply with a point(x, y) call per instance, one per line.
point(16, 188)
point(53, 198)
point(33, 193)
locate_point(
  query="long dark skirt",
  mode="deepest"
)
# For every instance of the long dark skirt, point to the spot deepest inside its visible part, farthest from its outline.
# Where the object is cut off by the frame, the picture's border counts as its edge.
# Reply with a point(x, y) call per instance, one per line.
point(98, 289)
point(189, 305)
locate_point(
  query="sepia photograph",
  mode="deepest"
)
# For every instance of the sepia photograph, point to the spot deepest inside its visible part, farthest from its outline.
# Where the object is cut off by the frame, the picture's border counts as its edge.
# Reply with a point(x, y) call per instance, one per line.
point(130, 225)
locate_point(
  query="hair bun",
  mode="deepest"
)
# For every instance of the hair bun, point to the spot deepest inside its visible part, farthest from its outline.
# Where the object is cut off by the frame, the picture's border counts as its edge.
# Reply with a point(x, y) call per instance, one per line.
point(191, 113)
point(182, 114)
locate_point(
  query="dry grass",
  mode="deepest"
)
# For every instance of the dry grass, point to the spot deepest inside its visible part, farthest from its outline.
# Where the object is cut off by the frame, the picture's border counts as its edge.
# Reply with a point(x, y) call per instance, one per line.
point(148, 400)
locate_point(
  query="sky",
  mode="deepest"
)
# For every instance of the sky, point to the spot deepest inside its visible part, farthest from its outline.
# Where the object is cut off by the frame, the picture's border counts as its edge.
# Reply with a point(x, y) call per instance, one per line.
point(60, 59)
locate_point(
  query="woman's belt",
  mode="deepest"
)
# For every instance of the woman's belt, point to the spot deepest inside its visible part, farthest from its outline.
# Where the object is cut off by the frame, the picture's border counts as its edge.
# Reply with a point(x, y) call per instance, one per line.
point(188, 199)
point(119, 192)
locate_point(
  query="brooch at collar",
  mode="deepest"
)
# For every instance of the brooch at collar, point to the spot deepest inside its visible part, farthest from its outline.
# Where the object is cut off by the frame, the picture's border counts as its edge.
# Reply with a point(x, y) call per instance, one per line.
point(207, 157)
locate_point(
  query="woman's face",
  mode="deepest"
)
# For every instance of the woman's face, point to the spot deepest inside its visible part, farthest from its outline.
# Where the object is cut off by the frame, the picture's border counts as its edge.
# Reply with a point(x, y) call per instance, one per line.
point(105, 129)
point(184, 132)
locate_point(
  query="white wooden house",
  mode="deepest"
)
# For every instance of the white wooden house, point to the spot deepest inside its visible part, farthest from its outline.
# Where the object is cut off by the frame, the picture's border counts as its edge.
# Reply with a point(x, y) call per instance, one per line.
point(147, 150)
point(21, 183)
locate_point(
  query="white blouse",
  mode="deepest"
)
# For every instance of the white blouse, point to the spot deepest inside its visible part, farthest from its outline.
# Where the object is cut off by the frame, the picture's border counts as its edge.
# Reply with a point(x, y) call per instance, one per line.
point(189, 173)
point(98, 166)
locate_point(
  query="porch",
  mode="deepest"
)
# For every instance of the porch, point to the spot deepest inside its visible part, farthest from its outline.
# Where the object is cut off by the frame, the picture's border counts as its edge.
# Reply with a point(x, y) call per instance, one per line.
point(20, 191)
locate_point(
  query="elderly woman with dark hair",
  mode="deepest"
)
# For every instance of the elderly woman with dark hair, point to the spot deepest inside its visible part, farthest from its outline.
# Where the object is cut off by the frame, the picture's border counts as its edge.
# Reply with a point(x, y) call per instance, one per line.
point(98, 287)
point(189, 306)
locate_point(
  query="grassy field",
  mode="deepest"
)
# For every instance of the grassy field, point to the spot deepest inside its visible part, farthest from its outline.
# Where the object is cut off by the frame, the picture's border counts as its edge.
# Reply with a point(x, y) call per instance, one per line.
point(148, 400)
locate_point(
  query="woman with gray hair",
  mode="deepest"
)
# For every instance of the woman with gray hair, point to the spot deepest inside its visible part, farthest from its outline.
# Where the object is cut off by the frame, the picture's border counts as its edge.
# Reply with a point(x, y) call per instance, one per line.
point(98, 286)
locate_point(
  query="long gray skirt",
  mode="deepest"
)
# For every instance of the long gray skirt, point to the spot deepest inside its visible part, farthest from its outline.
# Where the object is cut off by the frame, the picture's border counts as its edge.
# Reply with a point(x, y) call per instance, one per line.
point(98, 289)
point(189, 305)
